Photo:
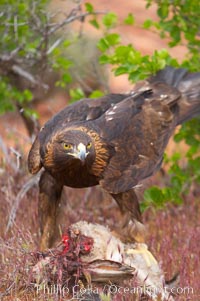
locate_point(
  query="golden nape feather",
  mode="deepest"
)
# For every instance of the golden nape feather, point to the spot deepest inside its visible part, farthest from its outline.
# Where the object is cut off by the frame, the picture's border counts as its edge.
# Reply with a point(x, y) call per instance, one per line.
point(114, 141)
point(100, 258)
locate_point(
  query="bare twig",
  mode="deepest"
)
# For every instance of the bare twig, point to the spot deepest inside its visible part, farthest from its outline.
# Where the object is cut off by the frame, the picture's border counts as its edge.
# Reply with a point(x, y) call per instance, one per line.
point(72, 19)
point(55, 44)
point(18, 156)
point(10, 56)
point(23, 73)
point(16, 28)
point(6, 156)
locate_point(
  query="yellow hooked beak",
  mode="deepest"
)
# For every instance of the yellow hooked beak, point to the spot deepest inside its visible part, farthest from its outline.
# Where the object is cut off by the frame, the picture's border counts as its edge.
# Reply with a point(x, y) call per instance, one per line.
point(80, 152)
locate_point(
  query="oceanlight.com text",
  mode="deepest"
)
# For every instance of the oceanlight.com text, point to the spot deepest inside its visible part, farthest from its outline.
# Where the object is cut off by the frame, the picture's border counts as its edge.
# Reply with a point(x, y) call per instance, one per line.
point(78, 291)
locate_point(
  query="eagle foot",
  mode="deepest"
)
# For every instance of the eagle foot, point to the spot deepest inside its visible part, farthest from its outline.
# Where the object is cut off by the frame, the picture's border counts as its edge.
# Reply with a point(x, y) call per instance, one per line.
point(142, 249)
point(133, 231)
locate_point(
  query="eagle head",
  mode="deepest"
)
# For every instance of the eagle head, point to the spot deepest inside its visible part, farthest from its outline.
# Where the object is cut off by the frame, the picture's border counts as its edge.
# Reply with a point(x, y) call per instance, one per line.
point(68, 149)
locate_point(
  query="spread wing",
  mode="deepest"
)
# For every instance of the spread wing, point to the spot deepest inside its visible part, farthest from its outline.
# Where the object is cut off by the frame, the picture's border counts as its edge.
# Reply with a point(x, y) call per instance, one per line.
point(138, 128)
point(84, 110)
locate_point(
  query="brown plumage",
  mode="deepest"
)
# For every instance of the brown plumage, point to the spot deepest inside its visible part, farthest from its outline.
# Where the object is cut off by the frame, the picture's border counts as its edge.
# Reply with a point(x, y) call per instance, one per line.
point(115, 141)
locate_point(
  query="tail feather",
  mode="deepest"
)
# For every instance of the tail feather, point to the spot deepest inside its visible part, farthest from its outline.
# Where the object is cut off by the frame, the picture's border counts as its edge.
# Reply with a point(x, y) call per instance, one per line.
point(188, 84)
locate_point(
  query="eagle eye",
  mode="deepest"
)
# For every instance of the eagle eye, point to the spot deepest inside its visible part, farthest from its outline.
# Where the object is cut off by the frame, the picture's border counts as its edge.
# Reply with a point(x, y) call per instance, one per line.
point(67, 146)
point(89, 145)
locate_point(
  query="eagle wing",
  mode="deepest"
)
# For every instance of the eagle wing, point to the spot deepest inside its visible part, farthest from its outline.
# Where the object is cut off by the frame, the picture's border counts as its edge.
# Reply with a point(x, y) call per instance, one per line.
point(138, 128)
point(84, 110)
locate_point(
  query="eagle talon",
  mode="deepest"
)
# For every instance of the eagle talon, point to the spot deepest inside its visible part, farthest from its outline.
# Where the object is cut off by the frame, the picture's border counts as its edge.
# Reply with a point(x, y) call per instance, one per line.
point(136, 230)
point(141, 248)
point(132, 232)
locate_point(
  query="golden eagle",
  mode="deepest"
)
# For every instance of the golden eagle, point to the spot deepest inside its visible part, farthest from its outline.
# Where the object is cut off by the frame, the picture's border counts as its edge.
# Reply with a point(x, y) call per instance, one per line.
point(114, 141)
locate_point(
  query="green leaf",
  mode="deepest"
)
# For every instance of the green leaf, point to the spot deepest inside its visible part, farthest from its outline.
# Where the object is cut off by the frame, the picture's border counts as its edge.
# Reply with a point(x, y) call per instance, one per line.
point(175, 157)
point(163, 10)
point(76, 94)
point(147, 24)
point(154, 195)
point(135, 76)
point(148, 3)
point(113, 39)
point(62, 62)
point(89, 7)
point(28, 96)
point(108, 41)
point(31, 113)
point(121, 70)
point(66, 78)
point(94, 23)
point(104, 59)
point(66, 43)
point(103, 44)
point(6, 105)
point(122, 53)
point(110, 20)
point(159, 197)
point(129, 20)
point(96, 94)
